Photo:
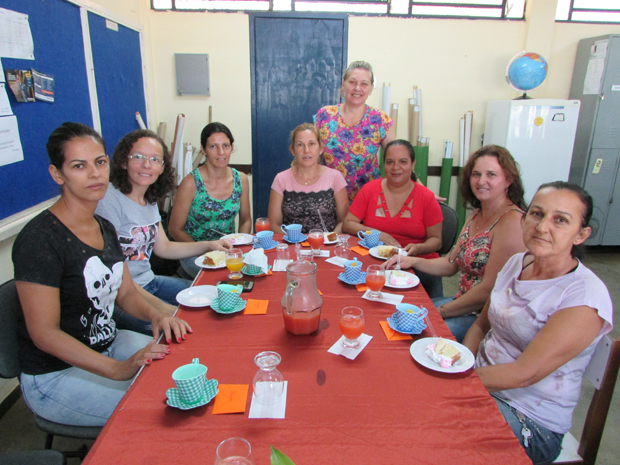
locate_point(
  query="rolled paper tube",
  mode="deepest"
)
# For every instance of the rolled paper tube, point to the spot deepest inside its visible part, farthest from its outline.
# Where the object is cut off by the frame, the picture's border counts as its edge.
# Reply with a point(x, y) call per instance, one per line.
point(415, 125)
point(161, 130)
point(140, 120)
point(418, 101)
point(394, 116)
point(421, 164)
point(386, 99)
point(210, 114)
point(446, 178)
point(411, 107)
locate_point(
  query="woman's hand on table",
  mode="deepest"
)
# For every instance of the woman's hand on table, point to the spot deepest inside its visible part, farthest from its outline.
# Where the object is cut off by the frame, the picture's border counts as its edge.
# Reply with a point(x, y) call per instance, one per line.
point(170, 325)
point(389, 240)
point(412, 249)
point(129, 368)
point(405, 262)
point(221, 244)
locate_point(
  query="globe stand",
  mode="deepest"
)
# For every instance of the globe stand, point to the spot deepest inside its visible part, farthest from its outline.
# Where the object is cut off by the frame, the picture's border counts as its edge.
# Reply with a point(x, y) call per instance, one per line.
point(523, 97)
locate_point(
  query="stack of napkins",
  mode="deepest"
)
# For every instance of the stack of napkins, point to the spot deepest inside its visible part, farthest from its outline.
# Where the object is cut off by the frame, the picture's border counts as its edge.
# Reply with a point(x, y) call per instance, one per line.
point(258, 258)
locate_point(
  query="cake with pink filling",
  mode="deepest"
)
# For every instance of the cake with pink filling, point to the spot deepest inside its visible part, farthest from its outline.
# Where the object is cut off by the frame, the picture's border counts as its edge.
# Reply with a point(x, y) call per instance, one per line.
point(443, 353)
point(398, 278)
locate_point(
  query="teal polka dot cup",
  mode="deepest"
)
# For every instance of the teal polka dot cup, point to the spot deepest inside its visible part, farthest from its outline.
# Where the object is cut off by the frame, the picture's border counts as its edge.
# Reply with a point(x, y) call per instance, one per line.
point(229, 296)
point(190, 381)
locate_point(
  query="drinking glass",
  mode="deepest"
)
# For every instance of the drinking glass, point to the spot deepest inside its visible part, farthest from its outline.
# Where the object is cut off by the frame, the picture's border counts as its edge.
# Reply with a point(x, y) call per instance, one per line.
point(234, 262)
point(316, 239)
point(343, 249)
point(268, 384)
point(262, 224)
point(375, 279)
point(352, 326)
point(234, 451)
point(305, 255)
point(282, 252)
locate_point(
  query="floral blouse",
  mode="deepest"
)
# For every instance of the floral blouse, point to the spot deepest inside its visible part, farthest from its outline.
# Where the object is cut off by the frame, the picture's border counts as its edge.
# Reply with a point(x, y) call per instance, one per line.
point(207, 213)
point(353, 150)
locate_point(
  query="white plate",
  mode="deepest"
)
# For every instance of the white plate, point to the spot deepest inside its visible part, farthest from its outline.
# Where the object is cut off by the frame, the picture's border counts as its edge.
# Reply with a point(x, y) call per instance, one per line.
point(198, 296)
point(328, 242)
point(239, 238)
point(374, 253)
point(417, 352)
point(414, 280)
point(199, 262)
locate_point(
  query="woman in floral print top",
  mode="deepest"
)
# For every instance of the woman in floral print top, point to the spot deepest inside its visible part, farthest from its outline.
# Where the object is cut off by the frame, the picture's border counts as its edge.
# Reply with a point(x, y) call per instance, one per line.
point(352, 132)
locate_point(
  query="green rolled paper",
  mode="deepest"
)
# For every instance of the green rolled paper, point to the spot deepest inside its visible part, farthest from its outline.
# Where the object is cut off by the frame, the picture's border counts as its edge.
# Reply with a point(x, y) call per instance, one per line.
point(421, 163)
point(460, 208)
point(446, 178)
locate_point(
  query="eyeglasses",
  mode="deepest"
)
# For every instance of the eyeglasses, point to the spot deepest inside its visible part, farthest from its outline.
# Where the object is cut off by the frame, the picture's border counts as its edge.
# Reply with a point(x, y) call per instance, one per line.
point(139, 158)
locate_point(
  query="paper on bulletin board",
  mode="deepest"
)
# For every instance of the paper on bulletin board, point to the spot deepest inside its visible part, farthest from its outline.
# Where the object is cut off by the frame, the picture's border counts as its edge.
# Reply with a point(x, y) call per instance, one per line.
point(15, 35)
point(5, 105)
point(1, 72)
point(10, 143)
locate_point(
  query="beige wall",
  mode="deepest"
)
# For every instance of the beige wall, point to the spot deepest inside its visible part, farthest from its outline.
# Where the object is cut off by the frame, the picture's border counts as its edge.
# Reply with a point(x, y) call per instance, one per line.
point(458, 64)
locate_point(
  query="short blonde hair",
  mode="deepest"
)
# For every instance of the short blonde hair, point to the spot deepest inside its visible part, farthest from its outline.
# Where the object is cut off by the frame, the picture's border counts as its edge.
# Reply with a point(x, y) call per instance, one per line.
point(304, 127)
point(359, 65)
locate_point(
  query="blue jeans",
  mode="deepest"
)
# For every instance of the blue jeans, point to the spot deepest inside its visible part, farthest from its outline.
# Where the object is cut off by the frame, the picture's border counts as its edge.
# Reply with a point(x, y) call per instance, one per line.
point(458, 325)
point(164, 287)
point(543, 446)
point(78, 397)
point(189, 266)
point(433, 285)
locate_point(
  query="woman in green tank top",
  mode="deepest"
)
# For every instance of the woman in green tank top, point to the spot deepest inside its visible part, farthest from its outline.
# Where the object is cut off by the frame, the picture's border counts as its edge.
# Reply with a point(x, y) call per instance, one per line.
point(210, 197)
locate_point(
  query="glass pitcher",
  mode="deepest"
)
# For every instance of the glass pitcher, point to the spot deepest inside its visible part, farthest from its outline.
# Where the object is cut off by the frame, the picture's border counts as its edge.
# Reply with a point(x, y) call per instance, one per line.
point(343, 249)
point(301, 302)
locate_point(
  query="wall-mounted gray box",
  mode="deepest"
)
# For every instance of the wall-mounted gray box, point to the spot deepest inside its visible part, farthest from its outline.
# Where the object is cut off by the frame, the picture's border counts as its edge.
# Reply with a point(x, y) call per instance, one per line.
point(192, 71)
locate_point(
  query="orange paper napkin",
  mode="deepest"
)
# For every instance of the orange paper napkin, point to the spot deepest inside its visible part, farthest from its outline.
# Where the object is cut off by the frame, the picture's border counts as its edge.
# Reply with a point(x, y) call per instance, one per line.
point(305, 244)
point(361, 287)
point(360, 250)
point(256, 307)
point(232, 398)
point(391, 334)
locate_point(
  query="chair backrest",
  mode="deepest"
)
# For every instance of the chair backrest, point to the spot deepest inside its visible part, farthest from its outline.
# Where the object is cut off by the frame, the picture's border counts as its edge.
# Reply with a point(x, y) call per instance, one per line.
point(449, 228)
point(602, 372)
point(9, 311)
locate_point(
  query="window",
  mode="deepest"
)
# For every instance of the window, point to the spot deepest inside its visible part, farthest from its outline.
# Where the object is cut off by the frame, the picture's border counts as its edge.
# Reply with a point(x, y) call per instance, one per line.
point(588, 11)
point(491, 9)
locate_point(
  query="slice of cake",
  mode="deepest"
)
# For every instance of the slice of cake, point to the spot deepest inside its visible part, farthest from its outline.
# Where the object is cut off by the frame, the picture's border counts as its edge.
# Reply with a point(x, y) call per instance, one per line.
point(399, 278)
point(386, 251)
point(214, 258)
point(443, 353)
point(331, 237)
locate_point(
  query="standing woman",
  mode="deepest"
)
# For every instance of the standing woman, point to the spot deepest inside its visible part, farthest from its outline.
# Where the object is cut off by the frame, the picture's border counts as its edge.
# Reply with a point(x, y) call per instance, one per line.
point(491, 235)
point(69, 272)
point(141, 174)
point(353, 132)
point(307, 188)
point(546, 314)
point(210, 197)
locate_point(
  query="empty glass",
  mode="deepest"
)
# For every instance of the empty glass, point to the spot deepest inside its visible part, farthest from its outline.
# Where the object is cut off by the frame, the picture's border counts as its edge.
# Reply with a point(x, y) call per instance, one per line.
point(343, 249)
point(234, 451)
point(268, 383)
point(282, 252)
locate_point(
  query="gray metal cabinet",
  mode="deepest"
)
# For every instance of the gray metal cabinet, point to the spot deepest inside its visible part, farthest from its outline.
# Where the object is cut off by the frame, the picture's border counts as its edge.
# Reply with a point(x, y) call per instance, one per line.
point(596, 155)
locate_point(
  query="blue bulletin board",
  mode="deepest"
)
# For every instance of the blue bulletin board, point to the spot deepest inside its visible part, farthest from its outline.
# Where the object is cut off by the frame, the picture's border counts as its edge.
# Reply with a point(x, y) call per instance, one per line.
point(56, 27)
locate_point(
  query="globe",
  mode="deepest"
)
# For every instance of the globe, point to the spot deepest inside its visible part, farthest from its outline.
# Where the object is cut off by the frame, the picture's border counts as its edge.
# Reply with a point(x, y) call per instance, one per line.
point(526, 71)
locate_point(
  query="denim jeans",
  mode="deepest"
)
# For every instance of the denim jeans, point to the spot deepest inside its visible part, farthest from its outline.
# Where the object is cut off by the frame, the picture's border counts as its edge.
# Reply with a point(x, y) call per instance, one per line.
point(433, 285)
point(189, 266)
point(458, 325)
point(164, 287)
point(78, 397)
point(543, 446)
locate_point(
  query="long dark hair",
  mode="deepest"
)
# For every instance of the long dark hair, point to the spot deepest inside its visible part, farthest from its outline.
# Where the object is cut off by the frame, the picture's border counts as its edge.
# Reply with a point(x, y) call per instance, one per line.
point(65, 133)
point(164, 184)
point(509, 167)
point(213, 128)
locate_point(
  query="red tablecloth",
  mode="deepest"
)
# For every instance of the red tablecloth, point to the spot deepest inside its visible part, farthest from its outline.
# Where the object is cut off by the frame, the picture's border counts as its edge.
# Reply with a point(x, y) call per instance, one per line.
point(381, 408)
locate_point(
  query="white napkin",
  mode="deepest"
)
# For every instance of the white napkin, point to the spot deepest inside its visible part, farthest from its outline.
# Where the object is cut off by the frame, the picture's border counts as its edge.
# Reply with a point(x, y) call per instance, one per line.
point(280, 265)
point(338, 261)
point(276, 410)
point(257, 257)
point(339, 349)
point(393, 299)
point(324, 253)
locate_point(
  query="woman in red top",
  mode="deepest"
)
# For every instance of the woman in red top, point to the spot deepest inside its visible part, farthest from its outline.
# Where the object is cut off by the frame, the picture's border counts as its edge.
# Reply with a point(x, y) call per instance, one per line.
point(406, 213)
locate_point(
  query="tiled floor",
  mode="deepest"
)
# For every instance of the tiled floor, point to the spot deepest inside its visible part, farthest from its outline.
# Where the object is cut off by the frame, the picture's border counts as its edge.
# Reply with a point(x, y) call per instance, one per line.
point(18, 431)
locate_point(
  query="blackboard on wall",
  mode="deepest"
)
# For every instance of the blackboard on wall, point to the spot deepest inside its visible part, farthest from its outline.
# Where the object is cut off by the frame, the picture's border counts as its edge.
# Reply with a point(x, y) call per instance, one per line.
point(59, 51)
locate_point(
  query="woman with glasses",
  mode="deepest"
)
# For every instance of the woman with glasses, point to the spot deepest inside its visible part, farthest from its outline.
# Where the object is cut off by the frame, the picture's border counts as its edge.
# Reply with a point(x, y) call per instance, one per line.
point(140, 175)
point(210, 197)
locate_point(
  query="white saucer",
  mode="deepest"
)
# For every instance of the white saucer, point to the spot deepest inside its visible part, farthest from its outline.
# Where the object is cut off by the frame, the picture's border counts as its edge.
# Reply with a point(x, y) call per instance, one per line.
point(417, 352)
point(197, 296)
point(239, 238)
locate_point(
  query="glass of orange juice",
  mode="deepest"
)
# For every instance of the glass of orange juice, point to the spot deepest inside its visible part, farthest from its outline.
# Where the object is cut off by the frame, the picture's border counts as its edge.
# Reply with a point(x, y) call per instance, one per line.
point(375, 279)
point(234, 262)
point(352, 326)
point(262, 224)
point(316, 239)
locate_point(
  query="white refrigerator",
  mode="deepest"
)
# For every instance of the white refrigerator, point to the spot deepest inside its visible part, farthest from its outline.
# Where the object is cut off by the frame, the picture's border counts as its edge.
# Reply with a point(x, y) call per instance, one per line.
point(539, 133)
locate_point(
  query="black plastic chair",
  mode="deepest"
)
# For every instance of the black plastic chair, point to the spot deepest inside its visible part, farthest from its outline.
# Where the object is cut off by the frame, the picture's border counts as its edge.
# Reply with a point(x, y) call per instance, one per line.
point(449, 229)
point(9, 368)
point(33, 457)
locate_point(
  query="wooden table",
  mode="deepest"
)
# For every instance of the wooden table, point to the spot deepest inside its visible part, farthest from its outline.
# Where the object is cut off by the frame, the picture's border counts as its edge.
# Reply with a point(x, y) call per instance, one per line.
point(381, 408)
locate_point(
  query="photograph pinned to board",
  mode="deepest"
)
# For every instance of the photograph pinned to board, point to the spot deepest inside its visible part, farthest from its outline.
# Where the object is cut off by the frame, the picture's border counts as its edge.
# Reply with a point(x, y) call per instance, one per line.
point(43, 86)
point(10, 144)
point(5, 105)
point(20, 82)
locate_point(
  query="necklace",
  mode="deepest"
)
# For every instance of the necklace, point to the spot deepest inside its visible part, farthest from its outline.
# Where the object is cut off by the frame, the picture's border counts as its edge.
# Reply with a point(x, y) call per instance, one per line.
point(312, 179)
